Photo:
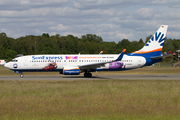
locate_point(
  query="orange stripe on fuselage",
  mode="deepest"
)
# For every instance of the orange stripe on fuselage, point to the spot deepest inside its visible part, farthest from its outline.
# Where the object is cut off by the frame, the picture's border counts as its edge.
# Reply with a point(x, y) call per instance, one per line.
point(142, 52)
point(72, 69)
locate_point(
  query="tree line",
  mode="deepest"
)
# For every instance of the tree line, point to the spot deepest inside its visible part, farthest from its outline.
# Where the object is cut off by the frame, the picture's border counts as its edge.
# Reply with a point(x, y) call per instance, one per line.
point(56, 44)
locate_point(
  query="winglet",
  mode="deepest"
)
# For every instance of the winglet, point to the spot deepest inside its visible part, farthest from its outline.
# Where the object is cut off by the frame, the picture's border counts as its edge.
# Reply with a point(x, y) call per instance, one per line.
point(121, 55)
point(101, 53)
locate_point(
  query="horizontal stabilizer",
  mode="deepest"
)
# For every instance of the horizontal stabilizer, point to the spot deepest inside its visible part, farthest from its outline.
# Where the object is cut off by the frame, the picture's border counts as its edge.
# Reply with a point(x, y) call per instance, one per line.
point(153, 58)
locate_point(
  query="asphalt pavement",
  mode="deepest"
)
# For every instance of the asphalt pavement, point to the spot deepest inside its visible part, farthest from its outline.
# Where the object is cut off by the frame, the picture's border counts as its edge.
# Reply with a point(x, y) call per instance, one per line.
point(96, 77)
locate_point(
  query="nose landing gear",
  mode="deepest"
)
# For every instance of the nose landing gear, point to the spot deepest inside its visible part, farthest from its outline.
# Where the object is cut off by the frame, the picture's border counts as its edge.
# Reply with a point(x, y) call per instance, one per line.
point(21, 75)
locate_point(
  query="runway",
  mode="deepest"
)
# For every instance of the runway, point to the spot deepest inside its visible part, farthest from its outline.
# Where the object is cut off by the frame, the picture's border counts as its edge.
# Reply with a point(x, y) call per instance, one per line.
point(96, 77)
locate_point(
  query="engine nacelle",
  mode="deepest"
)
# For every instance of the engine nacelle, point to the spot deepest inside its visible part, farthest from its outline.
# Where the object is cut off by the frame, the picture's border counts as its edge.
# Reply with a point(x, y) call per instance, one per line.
point(71, 71)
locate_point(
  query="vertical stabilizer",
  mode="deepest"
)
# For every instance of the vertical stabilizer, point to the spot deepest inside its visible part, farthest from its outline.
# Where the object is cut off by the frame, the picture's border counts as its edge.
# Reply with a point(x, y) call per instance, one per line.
point(154, 46)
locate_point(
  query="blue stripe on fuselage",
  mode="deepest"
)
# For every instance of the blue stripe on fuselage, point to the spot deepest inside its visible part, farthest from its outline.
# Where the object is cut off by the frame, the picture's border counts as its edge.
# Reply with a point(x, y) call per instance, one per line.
point(148, 56)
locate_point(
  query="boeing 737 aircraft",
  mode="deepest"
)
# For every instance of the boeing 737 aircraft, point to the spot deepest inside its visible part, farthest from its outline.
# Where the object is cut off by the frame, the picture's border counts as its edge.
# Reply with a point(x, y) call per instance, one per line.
point(72, 64)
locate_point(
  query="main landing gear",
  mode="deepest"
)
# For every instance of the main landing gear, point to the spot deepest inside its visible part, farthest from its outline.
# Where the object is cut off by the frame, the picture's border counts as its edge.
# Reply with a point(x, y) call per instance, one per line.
point(87, 74)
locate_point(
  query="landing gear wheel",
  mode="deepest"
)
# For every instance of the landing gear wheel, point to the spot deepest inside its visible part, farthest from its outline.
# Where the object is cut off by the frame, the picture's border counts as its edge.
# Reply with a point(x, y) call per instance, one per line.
point(21, 75)
point(87, 75)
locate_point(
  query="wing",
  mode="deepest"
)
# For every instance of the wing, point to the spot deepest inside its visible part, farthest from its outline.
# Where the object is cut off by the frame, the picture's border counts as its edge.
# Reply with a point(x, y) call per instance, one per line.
point(101, 64)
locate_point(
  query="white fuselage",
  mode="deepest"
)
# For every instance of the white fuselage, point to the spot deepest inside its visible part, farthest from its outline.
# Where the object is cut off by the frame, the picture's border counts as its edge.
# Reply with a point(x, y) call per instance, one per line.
point(38, 62)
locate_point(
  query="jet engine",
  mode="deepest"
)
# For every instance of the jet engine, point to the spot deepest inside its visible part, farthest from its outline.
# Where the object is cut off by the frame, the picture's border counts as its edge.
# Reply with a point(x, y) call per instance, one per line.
point(71, 71)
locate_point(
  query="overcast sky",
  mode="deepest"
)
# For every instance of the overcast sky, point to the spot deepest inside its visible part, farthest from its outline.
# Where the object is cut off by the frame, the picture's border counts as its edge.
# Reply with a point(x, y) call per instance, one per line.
point(113, 20)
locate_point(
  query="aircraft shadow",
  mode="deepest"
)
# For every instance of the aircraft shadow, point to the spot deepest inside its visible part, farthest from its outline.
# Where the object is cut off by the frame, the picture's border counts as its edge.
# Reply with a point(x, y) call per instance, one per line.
point(82, 77)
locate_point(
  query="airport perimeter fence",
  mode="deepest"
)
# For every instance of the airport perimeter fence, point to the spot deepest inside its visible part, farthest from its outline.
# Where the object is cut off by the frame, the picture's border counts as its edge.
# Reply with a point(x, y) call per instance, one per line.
point(163, 65)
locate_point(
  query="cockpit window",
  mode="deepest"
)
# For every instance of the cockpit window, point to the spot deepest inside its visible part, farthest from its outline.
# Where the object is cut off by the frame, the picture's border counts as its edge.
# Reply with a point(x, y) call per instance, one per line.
point(14, 60)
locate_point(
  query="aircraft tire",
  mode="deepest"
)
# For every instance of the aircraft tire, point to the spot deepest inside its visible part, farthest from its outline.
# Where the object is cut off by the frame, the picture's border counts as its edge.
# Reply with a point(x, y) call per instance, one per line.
point(21, 75)
point(87, 75)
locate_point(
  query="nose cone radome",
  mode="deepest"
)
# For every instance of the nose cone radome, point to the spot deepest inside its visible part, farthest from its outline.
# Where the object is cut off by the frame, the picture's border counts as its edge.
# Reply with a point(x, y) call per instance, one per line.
point(7, 65)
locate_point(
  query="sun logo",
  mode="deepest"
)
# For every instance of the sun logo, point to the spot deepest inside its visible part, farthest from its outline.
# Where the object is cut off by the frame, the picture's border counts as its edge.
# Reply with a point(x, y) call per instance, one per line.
point(15, 65)
point(158, 37)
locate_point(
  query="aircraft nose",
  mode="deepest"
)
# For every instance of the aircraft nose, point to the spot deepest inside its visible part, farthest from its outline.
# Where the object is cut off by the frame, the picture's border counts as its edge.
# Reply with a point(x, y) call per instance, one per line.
point(7, 65)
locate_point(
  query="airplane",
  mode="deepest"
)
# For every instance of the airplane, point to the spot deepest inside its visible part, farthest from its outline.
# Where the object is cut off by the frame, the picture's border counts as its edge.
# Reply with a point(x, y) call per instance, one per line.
point(72, 64)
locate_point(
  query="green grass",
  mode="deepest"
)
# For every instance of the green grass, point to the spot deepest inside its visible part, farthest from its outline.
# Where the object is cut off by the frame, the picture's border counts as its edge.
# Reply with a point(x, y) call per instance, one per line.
point(90, 100)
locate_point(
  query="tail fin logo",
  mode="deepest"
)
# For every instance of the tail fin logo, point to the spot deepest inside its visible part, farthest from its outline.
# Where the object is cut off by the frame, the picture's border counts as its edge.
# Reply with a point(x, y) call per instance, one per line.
point(157, 37)
point(154, 46)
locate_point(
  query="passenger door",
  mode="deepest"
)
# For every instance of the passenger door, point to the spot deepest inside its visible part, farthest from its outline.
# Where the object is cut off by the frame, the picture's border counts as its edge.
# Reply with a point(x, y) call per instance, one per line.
point(25, 62)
